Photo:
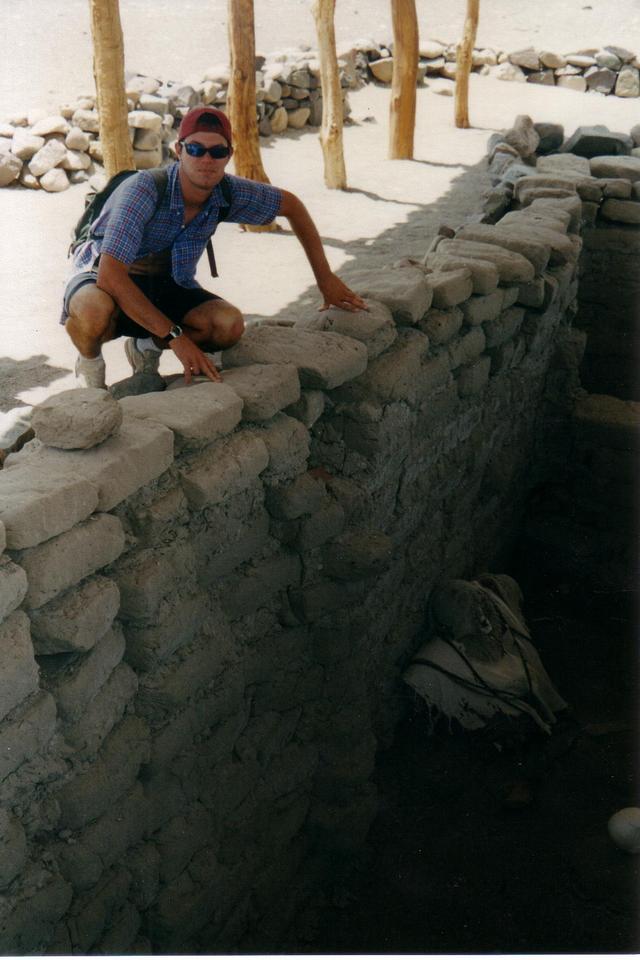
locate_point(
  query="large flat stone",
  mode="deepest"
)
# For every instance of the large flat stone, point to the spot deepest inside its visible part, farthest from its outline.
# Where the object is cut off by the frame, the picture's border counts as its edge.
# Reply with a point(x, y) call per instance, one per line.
point(26, 730)
point(228, 466)
point(450, 287)
point(529, 216)
point(504, 327)
point(624, 211)
point(561, 246)
point(75, 621)
point(374, 327)
point(145, 578)
point(510, 238)
point(403, 290)
point(65, 560)
point(512, 267)
point(324, 360)
point(37, 503)
point(570, 205)
point(287, 442)
point(593, 141)
point(76, 419)
point(201, 411)
point(623, 168)
point(562, 163)
point(141, 451)
point(19, 674)
point(484, 273)
point(264, 388)
point(396, 375)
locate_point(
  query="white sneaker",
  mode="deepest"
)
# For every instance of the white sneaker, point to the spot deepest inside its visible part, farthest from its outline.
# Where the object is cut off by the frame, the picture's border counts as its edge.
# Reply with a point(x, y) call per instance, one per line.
point(92, 371)
point(141, 361)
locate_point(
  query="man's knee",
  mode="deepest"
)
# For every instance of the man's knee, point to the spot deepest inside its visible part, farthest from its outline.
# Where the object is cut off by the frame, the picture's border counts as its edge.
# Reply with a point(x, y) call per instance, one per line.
point(92, 314)
point(221, 324)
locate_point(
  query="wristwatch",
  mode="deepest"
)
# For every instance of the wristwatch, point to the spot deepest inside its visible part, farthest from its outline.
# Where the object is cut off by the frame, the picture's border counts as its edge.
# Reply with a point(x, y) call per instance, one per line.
point(175, 331)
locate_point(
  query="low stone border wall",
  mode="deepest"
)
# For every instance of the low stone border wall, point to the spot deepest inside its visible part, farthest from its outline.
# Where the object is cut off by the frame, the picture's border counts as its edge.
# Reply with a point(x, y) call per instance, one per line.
point(51, 152)
point(206, 614)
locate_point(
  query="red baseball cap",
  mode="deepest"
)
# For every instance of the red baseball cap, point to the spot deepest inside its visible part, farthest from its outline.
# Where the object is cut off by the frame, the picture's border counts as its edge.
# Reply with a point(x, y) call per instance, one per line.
point(207, 120)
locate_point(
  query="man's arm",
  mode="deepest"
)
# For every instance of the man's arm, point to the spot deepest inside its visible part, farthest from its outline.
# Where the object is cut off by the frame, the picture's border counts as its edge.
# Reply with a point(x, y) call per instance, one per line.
point(333, 290)
point(114, 279)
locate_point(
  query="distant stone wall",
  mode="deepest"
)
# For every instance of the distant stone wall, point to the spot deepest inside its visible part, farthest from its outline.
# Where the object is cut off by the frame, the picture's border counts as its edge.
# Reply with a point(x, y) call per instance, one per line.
point(205, 616)
point(51, 152)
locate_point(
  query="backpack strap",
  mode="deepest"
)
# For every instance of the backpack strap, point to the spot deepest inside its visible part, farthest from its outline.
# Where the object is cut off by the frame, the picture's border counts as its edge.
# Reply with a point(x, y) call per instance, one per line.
point(227, 194)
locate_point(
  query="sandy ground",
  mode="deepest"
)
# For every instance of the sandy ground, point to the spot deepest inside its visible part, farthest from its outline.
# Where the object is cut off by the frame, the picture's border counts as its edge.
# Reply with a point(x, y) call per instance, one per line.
point(391, 209)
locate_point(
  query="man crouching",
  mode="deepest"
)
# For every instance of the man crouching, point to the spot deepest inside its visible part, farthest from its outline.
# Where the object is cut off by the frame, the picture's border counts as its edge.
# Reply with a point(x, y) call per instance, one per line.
point(135, 274)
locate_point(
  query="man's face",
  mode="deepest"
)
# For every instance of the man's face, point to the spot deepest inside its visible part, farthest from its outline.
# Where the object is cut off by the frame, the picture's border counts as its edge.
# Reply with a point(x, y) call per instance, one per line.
point(206, 171)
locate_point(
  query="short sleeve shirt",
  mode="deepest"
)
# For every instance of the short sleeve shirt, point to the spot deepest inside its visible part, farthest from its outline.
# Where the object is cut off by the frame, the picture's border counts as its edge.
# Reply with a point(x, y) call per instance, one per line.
point(132, 224)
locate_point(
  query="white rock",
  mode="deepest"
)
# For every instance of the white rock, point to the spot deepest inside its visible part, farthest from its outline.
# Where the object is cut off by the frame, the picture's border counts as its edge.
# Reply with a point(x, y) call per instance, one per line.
point(28, 180)
point(139, 84)
point(628, 83)
point(430, 49)
point(147, 159)
point(48, 157)
point(298, 118)
point(7, 130)
point(580, 60)
point(382, 69)
point(279, 120)
point(444, 88)
point(77, 139)
point(219, 73)
point(10, 168)
point(525, 58)
point(76, 160)
point(510, 71)
point(25, 145)
point(87, 120)
point(49, 125)
point(486, 57)
point(145, 120)
point(76, 419)
point(146, 139)
point(55, 181)
point(554, 61)
point(34, 115)
point(572, 83)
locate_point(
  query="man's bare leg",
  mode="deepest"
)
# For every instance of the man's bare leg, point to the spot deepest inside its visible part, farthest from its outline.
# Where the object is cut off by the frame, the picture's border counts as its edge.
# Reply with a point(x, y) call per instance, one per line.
point(91, 322)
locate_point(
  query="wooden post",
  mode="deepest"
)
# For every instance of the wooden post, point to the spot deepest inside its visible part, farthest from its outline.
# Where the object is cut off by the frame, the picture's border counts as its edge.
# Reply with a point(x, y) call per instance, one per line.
point(242, 97)
point(108, 70)
point(335, 175)
point(402, 112)
point(464, 62)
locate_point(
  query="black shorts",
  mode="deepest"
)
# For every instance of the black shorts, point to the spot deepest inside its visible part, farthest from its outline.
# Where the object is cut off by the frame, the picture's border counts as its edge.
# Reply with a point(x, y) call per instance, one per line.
point(163, 292)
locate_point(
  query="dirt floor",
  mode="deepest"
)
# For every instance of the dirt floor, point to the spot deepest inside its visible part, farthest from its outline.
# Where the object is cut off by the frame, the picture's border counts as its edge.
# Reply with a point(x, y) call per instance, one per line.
point(496, 841)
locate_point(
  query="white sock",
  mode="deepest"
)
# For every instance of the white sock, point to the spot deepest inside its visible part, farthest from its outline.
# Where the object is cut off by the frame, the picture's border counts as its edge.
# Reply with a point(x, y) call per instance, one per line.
point(85, 360)
point(147, 343)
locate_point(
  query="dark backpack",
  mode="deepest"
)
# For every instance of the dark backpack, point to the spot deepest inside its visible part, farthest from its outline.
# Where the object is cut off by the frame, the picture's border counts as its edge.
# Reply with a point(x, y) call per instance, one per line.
point(95, 201)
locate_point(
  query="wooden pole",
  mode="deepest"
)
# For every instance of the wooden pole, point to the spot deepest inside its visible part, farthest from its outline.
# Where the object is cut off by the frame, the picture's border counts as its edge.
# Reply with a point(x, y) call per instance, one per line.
point(464, 62)
point(402, 112)
point(242, 97)
point(108, 70)
point(335, 175)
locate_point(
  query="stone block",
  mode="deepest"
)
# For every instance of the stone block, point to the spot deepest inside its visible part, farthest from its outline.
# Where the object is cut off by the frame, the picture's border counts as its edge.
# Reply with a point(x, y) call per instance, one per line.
point(3, 537)
point(357, 555)
point(13, 848)
point(13, 587)
point(62, 562)
point(393, 376)
point(308, 408)
point(105, 710)
point(26, 731)
point(373, 327)
point(287, 442)
point(181, 616)
point(201, 411)
point(76, 620)
point(144, 865)
point(314, 601)
point(562, 163)
point(442, 325)
point(79, 865)
point(511, 238)
point(467, 348)
point(551, 134)
point(19, 674)
point(484, 274)
point(264, 388)
point(144, 579)
point(512, 267)
point(622, 211)
point(96, 790)
point(403, 290)
point(139, 453)
point(47, 157)
point(503, 328)
point(31, 912)
point(479, 309)
point(450, 287)
point(180, 838)
point(617, 188)
point(228, 466)
point(474, 377)
point(323, 360)
point(111, 835)
point(305, 494)
point(92, 911)
point(75, 679)
point(571, 205)
point(321, 526)
point(144, 120)
point(76, 419)
point(532, 294)
point(36, 505)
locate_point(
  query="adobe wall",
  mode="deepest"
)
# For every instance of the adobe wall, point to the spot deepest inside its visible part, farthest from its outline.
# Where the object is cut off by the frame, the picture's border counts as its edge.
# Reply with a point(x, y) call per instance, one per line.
point(205, 617)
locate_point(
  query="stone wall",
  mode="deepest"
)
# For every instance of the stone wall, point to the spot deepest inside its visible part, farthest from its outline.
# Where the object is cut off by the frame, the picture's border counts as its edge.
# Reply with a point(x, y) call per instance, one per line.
point(205, 616)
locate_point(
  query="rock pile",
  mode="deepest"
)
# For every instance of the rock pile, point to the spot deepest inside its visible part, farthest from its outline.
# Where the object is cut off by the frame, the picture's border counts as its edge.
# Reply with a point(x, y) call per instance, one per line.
point(51, 152)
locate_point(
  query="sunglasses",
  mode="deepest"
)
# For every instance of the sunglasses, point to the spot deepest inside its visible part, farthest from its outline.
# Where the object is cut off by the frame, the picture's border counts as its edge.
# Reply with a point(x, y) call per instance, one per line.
point(218, 152)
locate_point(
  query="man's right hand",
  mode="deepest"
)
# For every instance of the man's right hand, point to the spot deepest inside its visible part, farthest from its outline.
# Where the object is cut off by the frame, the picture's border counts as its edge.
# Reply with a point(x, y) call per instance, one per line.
point(194, 361)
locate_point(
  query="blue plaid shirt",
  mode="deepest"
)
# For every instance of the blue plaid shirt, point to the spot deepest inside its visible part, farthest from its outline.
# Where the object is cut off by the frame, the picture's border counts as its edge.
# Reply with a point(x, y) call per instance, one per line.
point(132, 224)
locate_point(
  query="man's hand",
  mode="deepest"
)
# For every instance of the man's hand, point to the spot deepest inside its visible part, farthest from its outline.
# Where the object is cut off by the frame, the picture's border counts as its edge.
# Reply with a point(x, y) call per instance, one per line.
point(193, 360)
point(337, 294)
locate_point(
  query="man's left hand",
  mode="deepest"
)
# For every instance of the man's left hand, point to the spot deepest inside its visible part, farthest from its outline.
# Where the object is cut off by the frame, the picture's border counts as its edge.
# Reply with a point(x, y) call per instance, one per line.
point(337, 294)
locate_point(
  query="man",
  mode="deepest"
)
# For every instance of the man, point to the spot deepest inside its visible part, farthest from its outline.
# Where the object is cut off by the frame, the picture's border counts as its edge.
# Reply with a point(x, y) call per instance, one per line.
point(135, 275)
